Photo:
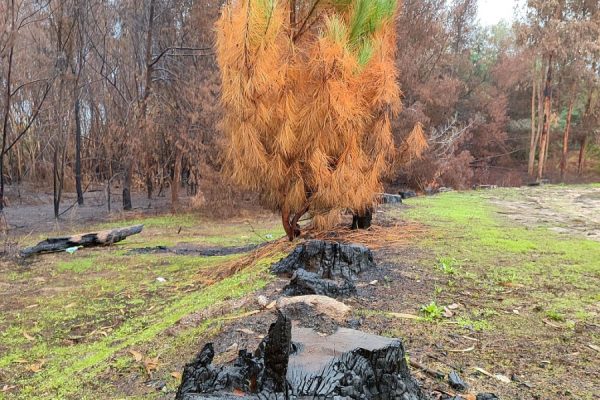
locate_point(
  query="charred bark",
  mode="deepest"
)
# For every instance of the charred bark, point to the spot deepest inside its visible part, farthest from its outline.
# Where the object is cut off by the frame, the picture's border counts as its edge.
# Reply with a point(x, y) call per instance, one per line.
point(102, 238)
point(265, 371)
point(304, 283)
point(327, 259)
point(78, 187)
point(324, 268)
point(301, 363)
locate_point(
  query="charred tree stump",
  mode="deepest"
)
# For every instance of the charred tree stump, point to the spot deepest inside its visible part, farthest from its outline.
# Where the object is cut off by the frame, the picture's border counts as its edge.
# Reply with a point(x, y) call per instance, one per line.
point(102, 238)
point(348, 364)
point(263, 372)
point(327, 259)
point(305, 283)
point(324, 268)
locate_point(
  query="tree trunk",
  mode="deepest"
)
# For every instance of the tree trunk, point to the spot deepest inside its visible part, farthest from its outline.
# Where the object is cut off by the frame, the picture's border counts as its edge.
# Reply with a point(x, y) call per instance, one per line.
point(143, 106)
point(108, 194)
point(534, 135)
point(285, 220)
point(127, 186)
point(565, 148)
point(57, 184)
point(546, 126)
point(78, 152)
point(102, 238)
point(5, 121)
point(582, 148)
point(149, 184)
point(176, 182)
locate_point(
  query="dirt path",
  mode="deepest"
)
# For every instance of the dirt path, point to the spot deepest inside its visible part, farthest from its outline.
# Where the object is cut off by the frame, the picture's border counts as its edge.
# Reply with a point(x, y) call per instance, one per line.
point(569, 210)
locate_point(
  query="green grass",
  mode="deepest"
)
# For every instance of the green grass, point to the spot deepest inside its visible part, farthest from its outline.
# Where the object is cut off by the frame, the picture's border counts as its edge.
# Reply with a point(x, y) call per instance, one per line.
point(432, 311)
point(66, 365)
point(447, 265)
point(562, 272)
point(82, 312)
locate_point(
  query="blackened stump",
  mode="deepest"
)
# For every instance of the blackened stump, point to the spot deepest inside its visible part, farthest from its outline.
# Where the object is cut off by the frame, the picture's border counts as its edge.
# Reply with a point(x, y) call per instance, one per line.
point(324, 268)
point(264, 371)
point(327, 259)
point(345, 365)
point(306, 283)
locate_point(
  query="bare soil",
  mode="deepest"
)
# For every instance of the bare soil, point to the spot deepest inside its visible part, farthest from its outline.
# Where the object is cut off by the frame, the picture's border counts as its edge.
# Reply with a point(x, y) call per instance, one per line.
point(564, 209)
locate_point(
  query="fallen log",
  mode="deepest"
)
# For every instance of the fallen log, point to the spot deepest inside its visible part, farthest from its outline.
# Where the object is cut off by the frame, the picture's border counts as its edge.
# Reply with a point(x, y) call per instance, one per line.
point(102, 238)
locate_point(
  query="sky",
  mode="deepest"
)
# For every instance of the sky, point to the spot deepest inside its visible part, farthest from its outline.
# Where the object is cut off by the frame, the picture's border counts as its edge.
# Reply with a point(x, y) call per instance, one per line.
point(493, 11)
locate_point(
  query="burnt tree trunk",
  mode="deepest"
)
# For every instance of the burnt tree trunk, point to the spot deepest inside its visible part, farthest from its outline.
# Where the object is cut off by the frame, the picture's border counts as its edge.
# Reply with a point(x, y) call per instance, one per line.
point(581, 158)
point(5, 121)
point(127, 186)
point(78, 152)
point(324, 268)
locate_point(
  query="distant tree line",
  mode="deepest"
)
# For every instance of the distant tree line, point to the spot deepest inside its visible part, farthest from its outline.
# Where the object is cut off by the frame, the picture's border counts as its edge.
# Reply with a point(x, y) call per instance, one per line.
point(125, 93)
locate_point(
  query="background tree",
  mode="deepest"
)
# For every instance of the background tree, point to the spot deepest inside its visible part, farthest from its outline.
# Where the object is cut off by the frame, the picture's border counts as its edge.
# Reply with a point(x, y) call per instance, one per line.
point(476, 91)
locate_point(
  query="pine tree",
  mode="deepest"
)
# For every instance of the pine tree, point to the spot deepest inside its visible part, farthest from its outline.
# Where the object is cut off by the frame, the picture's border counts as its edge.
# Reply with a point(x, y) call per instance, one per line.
point(308, 91)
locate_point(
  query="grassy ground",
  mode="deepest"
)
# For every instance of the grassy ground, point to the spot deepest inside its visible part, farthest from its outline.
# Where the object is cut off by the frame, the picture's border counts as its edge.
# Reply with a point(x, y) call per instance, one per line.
point(69, 320)
point(98, 324)
point(528, 296)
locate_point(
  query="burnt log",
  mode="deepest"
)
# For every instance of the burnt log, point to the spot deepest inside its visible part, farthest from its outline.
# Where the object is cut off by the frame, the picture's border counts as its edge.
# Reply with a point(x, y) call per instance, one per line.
point(407, 194)
point(103, 238)
point(348, 364)
point(387, 198)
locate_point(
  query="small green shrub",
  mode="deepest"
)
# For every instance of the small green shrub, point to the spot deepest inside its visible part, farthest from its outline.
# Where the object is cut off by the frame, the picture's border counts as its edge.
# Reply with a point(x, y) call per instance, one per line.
point(432, 311)
point(447, 265)
point(555, 315)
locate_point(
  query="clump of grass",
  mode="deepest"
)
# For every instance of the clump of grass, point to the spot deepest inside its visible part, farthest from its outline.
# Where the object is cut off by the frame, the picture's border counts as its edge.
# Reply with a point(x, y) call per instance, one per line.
point(476, 325)
point(432, 311)
point(447, 265)
point(77, 265)
point(555, 315)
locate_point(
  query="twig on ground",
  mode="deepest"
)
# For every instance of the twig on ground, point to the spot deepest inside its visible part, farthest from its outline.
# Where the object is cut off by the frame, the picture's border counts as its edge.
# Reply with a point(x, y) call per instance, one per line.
point(427, 370)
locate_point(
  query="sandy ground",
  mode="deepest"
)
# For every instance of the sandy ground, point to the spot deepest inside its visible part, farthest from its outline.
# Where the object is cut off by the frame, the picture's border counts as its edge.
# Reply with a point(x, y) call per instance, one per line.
point(567, 210)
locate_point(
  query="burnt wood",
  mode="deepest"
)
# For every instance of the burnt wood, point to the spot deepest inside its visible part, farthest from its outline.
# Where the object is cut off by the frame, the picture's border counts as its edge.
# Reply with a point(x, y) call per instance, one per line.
point(305, 283)
point(103, 238)
point(347, 365)
point(324, 268)
point(327, 259)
